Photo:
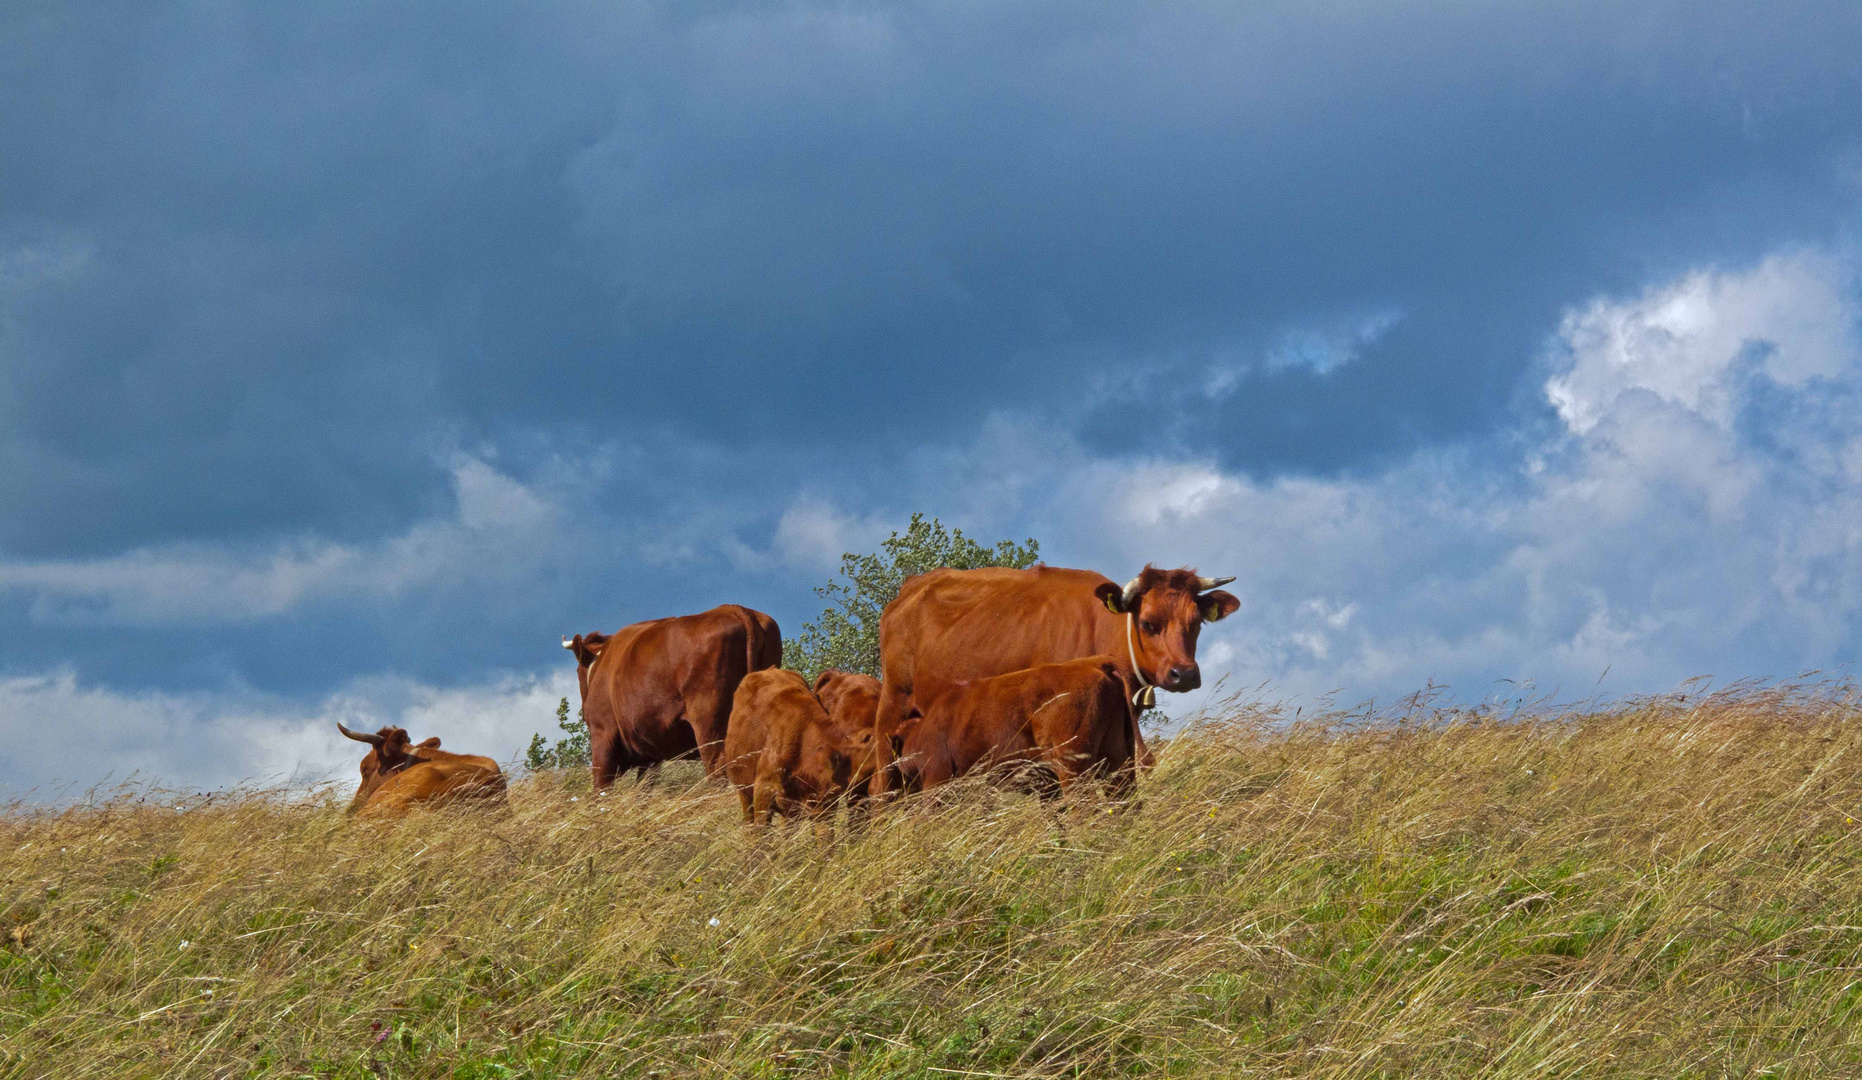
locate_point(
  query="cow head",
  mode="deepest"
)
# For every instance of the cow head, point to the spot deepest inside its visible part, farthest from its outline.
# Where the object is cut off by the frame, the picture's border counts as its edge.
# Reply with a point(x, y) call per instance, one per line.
point(855, 760)
point(587, 648)
point(851, 700)
point(1164, 611)
point(391, 752)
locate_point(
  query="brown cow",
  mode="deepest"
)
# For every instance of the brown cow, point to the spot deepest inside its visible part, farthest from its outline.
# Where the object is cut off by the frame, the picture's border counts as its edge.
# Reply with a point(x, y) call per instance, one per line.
point(784, 753)
point(951, 626)
point(1071, 718)
point(396, 774)
point(661, 689)
point(851, 699)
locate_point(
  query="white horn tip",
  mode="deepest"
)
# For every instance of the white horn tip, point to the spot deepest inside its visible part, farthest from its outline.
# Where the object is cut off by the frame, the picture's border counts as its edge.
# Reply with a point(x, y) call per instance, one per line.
point(567, 644)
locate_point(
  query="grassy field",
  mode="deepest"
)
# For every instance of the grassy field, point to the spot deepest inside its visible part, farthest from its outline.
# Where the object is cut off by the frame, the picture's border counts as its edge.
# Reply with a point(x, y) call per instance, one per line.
point(1672, 888)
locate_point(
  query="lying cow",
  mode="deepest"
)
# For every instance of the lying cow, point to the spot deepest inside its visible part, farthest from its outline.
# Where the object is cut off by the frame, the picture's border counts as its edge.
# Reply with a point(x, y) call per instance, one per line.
point(397, 773)
point(785, 754)
point(661, 690)
point(1071, 718)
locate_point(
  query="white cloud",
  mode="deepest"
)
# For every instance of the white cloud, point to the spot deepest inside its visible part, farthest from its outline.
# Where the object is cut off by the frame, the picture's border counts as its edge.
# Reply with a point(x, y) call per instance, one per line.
point(1698, 512)
point(1157, 494)
point(63, 737)
point(813, 533)
point(1792, 316)
point(1701, 513)
point(498, 530)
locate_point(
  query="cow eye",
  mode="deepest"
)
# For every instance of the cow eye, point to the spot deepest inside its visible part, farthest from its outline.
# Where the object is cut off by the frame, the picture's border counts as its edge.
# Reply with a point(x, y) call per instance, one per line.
point(1148, 627)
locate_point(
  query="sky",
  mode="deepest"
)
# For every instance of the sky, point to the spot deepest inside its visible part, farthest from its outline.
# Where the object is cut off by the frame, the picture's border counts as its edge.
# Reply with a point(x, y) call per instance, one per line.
point(351, 354)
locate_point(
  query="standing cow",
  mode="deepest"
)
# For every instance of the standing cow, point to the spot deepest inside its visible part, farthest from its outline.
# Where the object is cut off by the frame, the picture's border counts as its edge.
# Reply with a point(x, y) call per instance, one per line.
point(662, 689)
point(952, 626)
point(785, 754)
point(398, 773)
point(1070, 718)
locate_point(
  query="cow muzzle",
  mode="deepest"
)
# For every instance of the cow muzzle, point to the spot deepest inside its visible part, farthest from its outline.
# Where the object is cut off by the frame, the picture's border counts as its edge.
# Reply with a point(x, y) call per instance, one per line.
point(1183, 677)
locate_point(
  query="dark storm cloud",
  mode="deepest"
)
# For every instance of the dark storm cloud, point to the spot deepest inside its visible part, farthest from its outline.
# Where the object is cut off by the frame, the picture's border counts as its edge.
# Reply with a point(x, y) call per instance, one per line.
point(308, 246)
point(267, 272)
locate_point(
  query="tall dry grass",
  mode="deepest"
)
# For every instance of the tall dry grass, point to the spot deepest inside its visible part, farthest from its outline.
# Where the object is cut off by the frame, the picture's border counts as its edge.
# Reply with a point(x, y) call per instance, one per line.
point(1667, 889)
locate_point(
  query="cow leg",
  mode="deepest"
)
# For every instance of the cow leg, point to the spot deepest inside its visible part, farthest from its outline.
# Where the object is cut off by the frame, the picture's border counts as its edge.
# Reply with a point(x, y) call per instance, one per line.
point(1141, 756)
point(895, 703)
point(747, 796)
point(647, 774)
point(934, 768)
point(855, 798)
point(604, 755)
point(1120, 757)
point(1125, 754)
point(1063, 761)
point(708, 714)
point(1057, 732)
point(763, 803)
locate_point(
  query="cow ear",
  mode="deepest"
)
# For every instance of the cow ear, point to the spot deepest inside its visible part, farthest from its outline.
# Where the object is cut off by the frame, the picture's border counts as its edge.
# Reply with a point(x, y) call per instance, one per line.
point(1111, 596)
point(822, 680)
point(432, 743)
point(1217, 605)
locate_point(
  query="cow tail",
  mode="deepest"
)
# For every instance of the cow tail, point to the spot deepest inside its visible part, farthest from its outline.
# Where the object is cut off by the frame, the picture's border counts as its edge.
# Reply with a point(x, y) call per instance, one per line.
point(762, 641)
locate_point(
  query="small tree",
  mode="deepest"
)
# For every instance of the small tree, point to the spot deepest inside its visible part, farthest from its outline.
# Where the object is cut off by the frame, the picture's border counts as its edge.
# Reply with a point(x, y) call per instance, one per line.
point(568, 753)
point(846, 635)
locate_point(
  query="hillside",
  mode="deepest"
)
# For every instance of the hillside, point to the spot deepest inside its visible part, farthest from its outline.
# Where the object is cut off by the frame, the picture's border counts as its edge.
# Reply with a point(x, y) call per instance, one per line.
point(1673, 888)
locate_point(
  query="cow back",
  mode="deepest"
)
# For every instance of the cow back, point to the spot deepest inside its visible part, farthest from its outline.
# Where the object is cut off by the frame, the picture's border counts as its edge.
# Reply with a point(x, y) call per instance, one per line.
point(953, 626)
point(772, 710)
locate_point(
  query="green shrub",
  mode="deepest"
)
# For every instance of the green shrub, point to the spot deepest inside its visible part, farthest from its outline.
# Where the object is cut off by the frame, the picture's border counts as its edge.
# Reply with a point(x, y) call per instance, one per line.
point(846, 635)
point(570, 752)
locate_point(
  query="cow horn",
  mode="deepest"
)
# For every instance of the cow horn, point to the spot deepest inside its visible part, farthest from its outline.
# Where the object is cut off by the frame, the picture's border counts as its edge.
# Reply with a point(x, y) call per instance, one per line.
point(567, 644)
point(372, 740)
point(1131, 592)
point(1204, 584)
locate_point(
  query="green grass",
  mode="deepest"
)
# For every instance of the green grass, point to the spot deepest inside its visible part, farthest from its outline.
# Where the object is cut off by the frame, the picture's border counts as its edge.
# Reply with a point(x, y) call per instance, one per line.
point(1673, 888)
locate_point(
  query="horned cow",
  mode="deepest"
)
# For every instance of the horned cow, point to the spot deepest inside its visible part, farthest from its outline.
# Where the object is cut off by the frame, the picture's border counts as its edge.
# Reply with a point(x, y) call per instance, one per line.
point(953, 626)
point(398, 774)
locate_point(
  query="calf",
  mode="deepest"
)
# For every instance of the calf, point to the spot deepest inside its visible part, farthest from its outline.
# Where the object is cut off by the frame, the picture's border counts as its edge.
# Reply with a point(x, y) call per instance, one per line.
point(397, 773)
point(1071, 718)
point(851, 700)
point(784, 753)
